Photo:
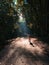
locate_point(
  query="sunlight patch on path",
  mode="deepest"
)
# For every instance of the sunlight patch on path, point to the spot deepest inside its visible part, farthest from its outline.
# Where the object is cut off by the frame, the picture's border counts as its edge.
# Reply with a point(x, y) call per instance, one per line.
point(24, 43)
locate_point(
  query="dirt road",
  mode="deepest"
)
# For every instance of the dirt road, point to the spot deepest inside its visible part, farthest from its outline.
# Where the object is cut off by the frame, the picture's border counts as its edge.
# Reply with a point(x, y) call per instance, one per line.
point(20, 52)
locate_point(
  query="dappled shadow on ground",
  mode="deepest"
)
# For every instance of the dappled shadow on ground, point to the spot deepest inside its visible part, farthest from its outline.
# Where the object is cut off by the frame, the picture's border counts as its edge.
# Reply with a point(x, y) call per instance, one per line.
point(20, 52)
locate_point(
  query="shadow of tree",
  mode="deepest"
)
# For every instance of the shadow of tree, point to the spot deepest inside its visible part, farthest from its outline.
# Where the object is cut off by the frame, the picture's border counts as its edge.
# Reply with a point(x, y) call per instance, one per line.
point(24, 56)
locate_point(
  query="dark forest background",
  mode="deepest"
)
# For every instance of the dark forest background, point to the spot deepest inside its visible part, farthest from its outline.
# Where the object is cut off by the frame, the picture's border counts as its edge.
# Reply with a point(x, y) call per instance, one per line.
point(37, 20)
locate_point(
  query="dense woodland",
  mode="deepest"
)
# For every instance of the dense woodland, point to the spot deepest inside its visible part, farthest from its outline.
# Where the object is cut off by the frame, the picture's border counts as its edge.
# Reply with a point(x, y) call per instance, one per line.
point(37, 19)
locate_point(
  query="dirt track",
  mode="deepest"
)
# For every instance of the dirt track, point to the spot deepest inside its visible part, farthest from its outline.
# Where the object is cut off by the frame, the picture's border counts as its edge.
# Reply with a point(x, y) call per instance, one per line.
point(20, 52)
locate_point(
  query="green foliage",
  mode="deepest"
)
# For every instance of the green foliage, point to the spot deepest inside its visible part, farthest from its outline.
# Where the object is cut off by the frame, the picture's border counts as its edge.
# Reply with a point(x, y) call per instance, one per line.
point(7, 20)
point(35, 13)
